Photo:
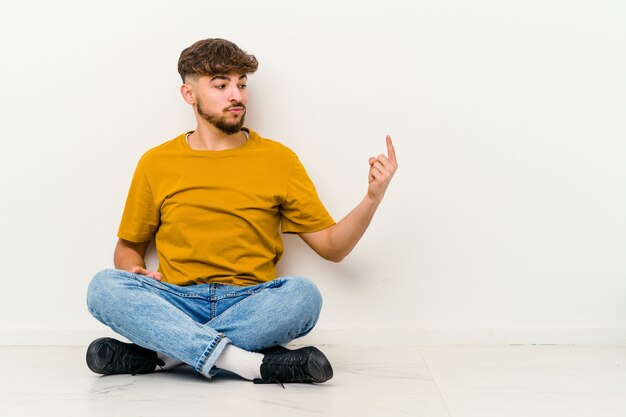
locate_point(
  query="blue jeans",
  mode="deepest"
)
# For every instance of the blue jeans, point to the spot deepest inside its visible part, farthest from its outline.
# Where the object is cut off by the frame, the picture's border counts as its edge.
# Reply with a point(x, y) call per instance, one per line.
point(194, 323)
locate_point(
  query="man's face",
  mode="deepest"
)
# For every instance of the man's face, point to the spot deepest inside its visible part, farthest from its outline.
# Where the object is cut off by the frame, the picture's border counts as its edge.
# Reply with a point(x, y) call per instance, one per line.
point(221, 100)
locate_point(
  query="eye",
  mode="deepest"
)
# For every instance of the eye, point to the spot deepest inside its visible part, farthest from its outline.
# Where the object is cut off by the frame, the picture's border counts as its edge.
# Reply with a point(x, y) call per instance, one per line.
point(243, 86)
point(220, 86)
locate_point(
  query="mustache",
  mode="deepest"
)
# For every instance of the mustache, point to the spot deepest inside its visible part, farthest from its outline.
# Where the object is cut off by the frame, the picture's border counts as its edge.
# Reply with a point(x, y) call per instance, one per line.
point(238, 104)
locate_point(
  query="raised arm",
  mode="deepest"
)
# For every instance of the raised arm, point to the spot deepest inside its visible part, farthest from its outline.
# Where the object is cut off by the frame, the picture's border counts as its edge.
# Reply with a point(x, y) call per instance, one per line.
point(336, 242)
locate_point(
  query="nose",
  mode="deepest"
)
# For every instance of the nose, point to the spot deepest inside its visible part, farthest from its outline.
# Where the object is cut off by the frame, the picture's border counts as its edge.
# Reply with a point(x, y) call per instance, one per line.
point(235, 94)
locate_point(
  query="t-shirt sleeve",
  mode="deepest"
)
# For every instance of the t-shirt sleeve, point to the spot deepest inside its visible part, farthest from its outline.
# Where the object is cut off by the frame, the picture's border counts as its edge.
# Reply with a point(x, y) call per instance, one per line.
point(302, 211)
point(140, 219)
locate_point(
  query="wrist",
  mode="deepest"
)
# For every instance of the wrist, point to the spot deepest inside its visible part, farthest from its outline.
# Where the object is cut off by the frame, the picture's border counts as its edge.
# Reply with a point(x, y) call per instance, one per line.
point(372, 201)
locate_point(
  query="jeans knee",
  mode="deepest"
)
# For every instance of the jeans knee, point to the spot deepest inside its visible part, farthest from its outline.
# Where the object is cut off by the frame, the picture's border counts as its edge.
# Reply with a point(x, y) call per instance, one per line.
point(306, 298)
point(100, 288)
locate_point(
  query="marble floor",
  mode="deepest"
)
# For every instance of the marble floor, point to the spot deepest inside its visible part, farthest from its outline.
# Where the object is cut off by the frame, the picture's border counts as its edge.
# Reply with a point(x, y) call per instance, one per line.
point(433, 381)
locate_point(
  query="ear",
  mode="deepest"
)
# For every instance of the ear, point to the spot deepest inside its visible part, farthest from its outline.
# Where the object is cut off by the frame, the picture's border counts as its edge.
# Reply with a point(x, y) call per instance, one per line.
point(186, 90)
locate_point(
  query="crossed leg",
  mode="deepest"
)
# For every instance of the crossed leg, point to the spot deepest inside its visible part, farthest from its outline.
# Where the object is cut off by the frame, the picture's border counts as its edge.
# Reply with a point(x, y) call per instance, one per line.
point(194, 324)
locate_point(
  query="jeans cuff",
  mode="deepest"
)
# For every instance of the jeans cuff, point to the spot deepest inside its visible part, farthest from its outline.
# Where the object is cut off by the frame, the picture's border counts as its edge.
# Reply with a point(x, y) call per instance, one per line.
point(210, 355)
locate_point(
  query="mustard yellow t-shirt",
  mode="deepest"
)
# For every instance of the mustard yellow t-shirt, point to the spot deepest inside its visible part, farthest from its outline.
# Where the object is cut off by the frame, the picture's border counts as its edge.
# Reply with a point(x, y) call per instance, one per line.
point(215, 215)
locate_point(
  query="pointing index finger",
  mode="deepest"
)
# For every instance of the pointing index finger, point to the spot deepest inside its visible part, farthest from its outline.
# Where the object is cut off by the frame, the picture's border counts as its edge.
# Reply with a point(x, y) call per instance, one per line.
point(391, 152)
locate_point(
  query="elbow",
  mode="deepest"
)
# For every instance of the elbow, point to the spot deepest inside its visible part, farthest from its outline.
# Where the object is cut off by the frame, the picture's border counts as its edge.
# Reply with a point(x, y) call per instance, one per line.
point(335, 257)
point(335, 260)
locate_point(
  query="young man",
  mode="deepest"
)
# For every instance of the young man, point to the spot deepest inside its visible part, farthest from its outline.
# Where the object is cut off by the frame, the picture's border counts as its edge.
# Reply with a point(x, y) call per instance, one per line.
point(214, 199)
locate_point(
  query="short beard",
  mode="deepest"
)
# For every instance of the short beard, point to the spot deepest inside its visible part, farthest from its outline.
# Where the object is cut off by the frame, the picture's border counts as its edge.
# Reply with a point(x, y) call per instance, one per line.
point(220, 122)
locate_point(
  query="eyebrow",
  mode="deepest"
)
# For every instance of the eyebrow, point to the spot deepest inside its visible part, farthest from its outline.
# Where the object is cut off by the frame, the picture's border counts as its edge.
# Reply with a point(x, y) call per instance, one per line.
point(223, 77)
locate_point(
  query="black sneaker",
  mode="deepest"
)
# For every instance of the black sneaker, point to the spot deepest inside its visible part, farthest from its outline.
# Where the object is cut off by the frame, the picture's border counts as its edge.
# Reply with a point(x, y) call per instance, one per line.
point(306, 364)
point(108, 356)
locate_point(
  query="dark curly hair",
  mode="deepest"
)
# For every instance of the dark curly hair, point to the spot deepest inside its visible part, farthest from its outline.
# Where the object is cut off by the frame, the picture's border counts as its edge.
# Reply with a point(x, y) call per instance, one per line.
point(213, 57)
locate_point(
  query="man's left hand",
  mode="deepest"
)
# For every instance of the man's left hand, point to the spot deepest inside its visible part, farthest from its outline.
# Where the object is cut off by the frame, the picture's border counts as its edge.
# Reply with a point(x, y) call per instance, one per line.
point(382, 169)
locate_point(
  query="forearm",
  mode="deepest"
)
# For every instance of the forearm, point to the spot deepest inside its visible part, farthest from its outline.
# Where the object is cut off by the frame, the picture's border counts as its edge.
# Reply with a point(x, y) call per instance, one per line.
point(336, 242)
point(129, 255)
point(127, 260)
point(344, 236)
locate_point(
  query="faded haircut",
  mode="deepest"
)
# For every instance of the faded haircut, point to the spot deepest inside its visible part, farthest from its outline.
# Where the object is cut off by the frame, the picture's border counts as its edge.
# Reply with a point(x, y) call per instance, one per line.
point(215, 57)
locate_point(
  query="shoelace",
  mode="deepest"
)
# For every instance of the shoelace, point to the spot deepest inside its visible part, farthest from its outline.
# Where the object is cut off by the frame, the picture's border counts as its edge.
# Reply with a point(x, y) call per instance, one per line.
point(275, 381)
point(287, 368)
point(136, 363)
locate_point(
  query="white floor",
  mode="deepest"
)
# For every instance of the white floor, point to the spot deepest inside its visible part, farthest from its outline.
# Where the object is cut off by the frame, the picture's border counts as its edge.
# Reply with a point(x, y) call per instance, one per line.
point(449, 381)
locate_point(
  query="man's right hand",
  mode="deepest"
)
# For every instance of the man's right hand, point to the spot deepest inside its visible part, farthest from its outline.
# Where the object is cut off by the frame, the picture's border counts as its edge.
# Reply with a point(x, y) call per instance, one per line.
point(143, 271)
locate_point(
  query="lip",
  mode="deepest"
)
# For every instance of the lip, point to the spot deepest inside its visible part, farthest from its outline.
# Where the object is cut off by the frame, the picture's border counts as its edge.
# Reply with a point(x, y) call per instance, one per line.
point(236, 109)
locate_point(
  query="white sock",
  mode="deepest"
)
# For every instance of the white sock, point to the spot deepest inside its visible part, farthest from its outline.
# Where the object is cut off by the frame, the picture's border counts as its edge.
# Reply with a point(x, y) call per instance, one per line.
point(170, 363)
point(245, 364)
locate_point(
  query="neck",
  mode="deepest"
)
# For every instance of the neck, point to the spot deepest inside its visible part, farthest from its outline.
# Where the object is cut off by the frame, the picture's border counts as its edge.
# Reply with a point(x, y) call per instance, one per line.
point(208, 137)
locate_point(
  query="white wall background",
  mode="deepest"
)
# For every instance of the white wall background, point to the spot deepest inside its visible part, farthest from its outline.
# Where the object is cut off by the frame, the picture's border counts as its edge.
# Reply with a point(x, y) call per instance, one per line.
point(504, 224)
